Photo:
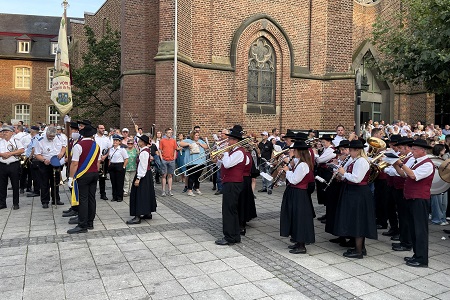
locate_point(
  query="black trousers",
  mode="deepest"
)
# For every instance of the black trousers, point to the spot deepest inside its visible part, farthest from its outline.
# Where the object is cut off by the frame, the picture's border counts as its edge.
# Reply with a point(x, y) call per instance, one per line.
point(381, 199)
point(12, 172)
point(87, 184)
point(117, 176)
point(25, 177)
point(193, 182)
point(230, 215)
point(48, 186)
point(391, 208)
point(102, 180)
point(36, 176)
point(405, 234)
point(417, 214)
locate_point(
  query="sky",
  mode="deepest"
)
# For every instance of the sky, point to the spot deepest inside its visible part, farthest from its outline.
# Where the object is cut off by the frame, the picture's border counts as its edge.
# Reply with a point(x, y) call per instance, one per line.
point(50, 7)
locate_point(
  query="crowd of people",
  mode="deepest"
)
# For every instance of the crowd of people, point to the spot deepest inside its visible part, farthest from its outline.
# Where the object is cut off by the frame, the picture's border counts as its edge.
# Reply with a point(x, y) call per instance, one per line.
point(338, 166)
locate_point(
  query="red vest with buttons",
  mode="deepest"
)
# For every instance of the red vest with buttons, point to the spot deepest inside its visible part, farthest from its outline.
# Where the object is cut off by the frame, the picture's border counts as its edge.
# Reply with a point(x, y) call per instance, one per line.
point(247, 168)
point(399, 182)
point(86, 145)
point(235, 173)
point(305, 181)
point(364, 181)
point(149, 158)
point(419, 189)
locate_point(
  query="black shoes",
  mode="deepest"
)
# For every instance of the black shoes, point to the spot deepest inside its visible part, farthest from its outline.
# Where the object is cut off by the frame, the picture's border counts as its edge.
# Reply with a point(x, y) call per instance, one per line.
point(338, 240)
point(353, 254)
point(395, 238)
point(416, 264)
point(299, 250)
point(322, 218)
point(214, 188)
point(147, 217)
point(103, 197)
point(447, 231)
point(76, 230)
point(135, 220)
point(33, 194)
point(269, 192)
point(364, 251)
point(119, 200)
point(223, 242)
point(218, 192)
point(70, 213)
point(16, 206)
point(90, 227)
point(348, 244)
point(185, 189)
point(400, 247)
point(21, 191)
point(73, 220)
point(409, 258)
point(390, 232)
point(262, 190)
point(45, 205)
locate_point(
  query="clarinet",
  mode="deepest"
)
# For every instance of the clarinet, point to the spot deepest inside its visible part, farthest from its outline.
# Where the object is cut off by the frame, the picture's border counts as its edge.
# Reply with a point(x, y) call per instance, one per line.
point(279, 174)
point(335, 173)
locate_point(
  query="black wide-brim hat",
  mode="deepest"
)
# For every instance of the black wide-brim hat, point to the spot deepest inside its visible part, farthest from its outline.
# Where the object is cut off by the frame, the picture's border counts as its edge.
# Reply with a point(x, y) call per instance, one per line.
point(73, 125)
point(144, 138)
point(328, 137)
point(343, 144)
point(356, 144)
point(236, 132)
point(88, 131)
point(84, 122)
point(290, 134)
point(301, 145)
point(394, 138)
point(403, 140)
point(420, 143)
point(301, 136)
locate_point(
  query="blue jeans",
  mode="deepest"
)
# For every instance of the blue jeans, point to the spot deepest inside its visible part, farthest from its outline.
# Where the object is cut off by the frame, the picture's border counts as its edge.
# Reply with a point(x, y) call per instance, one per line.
point(439, 207)
point(219, 181)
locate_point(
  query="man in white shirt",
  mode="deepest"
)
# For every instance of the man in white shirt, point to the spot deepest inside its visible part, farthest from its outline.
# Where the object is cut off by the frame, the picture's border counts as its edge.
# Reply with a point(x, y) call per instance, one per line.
point(10, 150)
point(25, 174)
point(340, 135)
point(45, 149)
point(104, 142)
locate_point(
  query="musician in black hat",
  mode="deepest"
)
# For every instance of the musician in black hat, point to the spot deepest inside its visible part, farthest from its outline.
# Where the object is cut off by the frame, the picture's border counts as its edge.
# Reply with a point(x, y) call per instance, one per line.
point(296, 218)
point(83, 179)
point(355, 214)
point(83, 123)
point(323, 170)
point(419, 178)
point(142, 196)
point(233, 163)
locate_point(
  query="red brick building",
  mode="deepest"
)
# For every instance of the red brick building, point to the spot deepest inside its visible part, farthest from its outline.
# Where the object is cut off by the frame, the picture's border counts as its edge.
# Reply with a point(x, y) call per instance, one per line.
point(262, 64)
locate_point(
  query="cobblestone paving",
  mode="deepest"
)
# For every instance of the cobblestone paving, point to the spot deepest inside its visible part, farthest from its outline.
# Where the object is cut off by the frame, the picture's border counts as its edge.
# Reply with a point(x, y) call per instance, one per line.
point(173, 256)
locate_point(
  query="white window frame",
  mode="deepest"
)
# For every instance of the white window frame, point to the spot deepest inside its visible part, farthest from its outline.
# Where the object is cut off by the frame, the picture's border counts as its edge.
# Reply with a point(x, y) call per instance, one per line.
point(376, 112)
point(19, 83)
point(22, 112)
point(55, 115)
point(23, 46)
point(50, 73)
point(54, 48)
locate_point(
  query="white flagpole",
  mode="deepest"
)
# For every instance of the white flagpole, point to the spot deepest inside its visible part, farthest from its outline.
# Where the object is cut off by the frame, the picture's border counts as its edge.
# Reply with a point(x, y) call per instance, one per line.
point(175, 71)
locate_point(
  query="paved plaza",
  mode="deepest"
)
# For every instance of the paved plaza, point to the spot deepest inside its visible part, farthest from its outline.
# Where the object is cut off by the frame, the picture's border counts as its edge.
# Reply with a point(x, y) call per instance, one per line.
point(173, 256)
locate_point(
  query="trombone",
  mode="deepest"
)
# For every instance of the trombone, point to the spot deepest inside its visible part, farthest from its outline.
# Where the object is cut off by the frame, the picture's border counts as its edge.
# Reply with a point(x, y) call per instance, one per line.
point(213, 153)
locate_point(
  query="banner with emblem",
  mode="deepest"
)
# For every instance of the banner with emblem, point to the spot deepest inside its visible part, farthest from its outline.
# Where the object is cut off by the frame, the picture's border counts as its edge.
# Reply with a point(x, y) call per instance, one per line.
point(61, 85)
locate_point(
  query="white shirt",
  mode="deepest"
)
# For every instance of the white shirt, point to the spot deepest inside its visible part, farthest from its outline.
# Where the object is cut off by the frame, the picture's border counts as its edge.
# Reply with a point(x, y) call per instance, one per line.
point(47, 148)
point(337, 139)
point(77, 150)
point(299, 173)
point(103, 142)
point(359, 170)
point(24, 138)
point(117, 155)
point(16, 144)
point(143, 163)
point(229, 161)
point(327, 155)
point(422, 171)
point(62, 137)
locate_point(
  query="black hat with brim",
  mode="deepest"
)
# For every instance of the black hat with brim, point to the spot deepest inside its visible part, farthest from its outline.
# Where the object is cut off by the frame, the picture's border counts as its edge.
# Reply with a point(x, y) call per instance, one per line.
point(403, 140)
point(356, 144)
point(236, 132)
point(84, 122)
point(420, 143)
point(290, 134)
point(301, 136)
point(301, 145)
point(328, 137)
point(73, 125)
point(394, 138)
point(343, 144)
point(36, 128)
point(88, 131)
point(144, 138)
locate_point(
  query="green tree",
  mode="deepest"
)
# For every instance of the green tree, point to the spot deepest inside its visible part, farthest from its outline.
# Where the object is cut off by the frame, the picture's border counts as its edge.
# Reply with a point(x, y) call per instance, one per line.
point(97, 81)
point(414, 45)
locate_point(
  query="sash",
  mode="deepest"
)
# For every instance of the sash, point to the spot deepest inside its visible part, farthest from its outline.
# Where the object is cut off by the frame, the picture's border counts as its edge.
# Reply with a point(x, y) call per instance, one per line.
point(90, 159)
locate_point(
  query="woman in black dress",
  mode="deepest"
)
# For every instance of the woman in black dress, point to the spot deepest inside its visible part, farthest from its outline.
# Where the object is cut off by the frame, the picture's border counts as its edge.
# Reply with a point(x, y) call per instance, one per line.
point(246, 203)
point(296, 218)
point(355, 214)
point(142, 196)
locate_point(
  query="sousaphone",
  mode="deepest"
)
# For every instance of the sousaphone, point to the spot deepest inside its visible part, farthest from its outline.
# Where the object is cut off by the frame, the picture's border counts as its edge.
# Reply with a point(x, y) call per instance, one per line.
point(440, 185)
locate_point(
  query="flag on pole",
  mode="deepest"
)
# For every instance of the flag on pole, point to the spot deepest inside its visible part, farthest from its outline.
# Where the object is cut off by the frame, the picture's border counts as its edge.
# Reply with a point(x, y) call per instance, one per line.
point(61, 85)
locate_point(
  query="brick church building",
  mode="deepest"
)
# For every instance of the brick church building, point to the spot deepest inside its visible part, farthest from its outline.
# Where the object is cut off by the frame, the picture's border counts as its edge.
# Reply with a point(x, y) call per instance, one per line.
point(262, 64)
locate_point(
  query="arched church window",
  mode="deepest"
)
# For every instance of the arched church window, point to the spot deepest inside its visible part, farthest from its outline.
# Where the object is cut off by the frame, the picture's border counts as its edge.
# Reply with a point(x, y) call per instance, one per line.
point(261, 73)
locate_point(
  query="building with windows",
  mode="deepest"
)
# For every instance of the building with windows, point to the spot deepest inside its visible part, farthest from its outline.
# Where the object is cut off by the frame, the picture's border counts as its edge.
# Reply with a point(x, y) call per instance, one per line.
point(27, 53)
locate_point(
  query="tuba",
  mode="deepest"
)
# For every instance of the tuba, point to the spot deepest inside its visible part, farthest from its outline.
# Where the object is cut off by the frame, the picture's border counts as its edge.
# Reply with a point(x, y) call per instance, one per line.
point(12, 148)
point(377, 149)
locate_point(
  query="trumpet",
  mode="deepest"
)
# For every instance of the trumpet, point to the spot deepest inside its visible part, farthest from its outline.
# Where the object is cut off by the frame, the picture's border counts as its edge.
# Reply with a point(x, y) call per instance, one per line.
point(212, 155)
point(12, 148)
point(377, 165)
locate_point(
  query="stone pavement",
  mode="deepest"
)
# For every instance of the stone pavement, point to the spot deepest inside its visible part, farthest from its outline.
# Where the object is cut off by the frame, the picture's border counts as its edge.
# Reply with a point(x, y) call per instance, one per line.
point(173, 256)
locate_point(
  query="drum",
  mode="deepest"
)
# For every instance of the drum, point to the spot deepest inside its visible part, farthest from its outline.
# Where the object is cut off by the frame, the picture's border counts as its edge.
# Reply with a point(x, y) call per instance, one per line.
point(438, 186)
point(444, 170)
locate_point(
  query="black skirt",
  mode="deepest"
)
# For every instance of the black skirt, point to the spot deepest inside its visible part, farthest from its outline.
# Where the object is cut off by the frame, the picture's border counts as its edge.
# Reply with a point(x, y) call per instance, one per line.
point(246, 204)
point(333, 193)
point(296, 218)
point(142, 198)
point(355, 213)
point(326, 174)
